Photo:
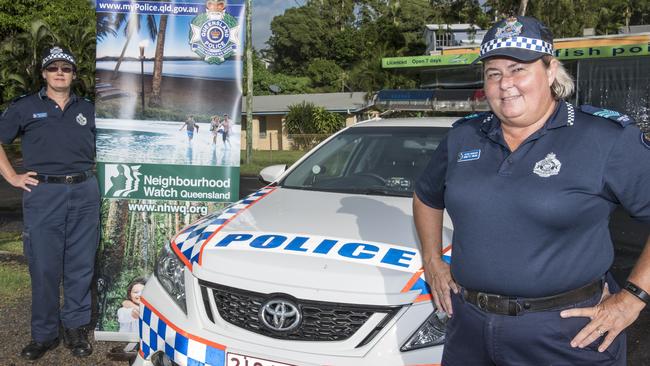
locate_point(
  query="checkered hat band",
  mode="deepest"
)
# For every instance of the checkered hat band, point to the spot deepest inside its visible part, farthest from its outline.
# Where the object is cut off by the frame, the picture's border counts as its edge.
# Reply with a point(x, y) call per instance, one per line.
point(58, 56)
point(523, 43)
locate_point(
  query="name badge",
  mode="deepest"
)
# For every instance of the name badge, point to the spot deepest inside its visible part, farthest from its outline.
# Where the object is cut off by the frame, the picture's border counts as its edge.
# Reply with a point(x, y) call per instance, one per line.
point(469, 155)
point(39, 115)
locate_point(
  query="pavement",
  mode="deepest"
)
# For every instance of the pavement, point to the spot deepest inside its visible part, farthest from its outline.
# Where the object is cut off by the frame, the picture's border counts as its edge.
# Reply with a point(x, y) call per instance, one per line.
point(628, 235)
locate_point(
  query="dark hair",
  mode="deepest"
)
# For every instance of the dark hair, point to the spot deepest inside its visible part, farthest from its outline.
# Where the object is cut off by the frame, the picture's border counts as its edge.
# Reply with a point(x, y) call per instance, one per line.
point(135, 281)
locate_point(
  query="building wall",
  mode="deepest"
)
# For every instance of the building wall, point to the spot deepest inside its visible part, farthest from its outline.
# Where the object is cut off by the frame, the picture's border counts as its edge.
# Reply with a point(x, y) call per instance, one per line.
point(276, 137)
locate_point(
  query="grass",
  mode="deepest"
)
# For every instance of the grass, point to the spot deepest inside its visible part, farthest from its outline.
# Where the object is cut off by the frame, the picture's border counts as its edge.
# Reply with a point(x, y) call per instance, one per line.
point(14, 277)
point(11, 242)
point(262, 159)
point(14, 282)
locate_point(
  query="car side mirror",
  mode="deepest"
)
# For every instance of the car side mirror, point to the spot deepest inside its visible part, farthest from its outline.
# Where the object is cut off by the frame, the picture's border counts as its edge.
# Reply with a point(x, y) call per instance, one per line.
point(271, 173)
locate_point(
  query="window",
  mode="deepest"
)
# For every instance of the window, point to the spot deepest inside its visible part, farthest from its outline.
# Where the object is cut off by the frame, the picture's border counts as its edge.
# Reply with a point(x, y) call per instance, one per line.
point(262, 122)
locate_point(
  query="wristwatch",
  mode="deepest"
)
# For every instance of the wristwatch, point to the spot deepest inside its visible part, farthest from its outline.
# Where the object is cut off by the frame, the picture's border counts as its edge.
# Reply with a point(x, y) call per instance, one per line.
point(637, 291)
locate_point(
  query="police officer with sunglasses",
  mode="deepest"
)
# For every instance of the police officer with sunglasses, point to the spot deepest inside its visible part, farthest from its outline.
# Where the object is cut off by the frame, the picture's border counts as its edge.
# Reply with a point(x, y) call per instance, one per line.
point(60, 203)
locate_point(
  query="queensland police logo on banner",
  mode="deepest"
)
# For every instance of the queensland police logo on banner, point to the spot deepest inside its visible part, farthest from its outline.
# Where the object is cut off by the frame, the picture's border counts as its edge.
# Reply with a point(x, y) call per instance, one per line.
point(214, 35)
point(120, 180)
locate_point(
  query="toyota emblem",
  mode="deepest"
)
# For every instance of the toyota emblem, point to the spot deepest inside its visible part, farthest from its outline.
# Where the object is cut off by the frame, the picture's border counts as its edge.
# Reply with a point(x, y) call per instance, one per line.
point(280, 315)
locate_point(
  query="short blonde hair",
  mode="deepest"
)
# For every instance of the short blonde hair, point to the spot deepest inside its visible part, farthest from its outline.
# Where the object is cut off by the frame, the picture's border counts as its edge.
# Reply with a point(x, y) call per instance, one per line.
point(563, 85)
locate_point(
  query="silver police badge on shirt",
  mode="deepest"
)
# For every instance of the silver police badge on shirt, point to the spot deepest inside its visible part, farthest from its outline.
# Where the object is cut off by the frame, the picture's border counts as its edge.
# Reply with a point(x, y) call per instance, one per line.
point(81, 119)
point(548, 166)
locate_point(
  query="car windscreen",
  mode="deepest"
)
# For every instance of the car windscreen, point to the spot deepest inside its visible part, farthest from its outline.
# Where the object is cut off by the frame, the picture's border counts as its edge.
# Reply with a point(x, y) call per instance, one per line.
point(368, 160)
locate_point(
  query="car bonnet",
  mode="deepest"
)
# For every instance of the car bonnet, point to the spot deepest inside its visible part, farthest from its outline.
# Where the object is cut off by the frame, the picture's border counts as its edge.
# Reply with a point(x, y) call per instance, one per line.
point(311, 244)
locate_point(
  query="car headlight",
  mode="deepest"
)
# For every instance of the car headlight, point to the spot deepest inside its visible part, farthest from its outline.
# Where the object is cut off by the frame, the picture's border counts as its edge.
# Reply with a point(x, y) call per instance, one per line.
point(430, 333)
point(170, 273)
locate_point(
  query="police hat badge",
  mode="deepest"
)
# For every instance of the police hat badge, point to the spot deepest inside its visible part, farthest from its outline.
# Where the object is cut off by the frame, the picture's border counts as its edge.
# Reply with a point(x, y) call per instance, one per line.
point(81, 119)
point(214, 35)
point(510, 28)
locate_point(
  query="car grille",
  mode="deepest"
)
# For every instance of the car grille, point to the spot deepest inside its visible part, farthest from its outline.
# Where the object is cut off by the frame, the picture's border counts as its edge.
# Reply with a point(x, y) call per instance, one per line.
point(322, 321)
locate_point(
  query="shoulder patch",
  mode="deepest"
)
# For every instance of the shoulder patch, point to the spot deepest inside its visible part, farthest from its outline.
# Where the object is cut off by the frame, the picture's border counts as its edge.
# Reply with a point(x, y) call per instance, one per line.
point(620, 118)
point(470, 117)
point(645, 139)
point(18, 98)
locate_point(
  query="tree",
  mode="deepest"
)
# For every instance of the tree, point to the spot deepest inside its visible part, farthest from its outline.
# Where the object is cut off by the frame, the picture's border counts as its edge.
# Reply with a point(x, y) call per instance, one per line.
point(131, 24)
point(325, 75)
point(20, 59)
point(156, 100)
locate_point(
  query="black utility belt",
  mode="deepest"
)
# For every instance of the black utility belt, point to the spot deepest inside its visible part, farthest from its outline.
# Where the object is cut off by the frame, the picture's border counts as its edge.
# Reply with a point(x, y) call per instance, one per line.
point(508, 305)
point(65, 179)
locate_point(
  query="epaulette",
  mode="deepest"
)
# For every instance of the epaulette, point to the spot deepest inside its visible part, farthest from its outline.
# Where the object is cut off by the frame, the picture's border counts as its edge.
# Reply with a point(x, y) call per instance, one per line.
point(13, 101)
point(620, 118)
point(470, 117)
point(89, 100)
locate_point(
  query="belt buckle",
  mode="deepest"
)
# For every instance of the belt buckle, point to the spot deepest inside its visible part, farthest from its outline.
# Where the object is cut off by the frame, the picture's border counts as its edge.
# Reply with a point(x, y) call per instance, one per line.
point(69, 179)
point(482, 301)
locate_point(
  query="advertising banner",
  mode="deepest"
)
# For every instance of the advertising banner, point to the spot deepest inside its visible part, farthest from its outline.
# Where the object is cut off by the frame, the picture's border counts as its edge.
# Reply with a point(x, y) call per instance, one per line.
point(168, 100)
point(625, 50)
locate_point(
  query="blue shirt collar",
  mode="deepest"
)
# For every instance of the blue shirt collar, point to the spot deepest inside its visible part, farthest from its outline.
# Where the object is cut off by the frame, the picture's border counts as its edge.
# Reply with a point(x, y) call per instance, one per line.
point(43, 95)
point(564, 115)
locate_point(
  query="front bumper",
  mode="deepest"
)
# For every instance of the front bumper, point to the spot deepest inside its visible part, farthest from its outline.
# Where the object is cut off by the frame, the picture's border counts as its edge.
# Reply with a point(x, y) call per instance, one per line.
point(193, 339)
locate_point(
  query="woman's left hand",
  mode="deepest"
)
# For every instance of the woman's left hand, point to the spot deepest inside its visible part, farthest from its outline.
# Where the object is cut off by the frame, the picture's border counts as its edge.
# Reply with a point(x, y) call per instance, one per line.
point(608, 318)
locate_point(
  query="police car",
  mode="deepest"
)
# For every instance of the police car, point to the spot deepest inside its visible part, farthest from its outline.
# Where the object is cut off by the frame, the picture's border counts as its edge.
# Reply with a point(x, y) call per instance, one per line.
point(320, 267)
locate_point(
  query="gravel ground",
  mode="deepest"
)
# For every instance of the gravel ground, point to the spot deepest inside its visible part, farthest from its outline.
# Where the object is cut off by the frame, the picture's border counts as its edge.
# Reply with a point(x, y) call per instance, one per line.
point(15, 335)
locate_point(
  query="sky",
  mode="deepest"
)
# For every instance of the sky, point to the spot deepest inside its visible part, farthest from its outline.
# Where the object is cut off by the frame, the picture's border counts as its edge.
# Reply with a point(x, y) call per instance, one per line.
point(176, 41)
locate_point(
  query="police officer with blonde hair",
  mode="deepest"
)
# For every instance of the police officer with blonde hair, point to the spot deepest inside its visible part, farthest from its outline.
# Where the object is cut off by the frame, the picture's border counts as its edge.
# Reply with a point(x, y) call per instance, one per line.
point(529, 187)
point(60, 203)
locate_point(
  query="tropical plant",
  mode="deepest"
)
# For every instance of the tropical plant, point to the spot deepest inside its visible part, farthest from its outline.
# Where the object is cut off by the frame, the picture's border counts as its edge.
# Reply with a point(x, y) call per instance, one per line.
point(131, 24)
point(20, 57)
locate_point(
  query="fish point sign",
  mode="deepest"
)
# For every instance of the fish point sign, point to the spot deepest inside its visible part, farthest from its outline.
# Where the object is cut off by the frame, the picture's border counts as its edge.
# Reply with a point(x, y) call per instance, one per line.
point(561, 53)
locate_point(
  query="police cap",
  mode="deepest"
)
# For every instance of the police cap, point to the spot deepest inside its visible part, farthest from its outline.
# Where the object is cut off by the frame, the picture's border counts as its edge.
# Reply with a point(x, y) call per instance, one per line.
point(518, 37)
point(57, 53)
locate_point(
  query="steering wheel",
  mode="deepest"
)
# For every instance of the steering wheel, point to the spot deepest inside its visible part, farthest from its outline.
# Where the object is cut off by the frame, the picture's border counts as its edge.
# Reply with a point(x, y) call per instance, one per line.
point(374, 176)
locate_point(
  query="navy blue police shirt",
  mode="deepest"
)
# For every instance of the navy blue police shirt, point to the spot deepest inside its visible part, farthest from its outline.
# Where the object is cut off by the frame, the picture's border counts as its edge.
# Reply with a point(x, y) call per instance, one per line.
point(534, 222)
point(54, 141)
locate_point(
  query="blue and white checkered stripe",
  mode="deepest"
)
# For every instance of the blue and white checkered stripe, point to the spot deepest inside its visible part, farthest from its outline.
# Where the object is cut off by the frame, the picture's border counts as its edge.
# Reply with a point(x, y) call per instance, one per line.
point(156, 334)
point(524, 43)
point(190, 241)
point(59, 56)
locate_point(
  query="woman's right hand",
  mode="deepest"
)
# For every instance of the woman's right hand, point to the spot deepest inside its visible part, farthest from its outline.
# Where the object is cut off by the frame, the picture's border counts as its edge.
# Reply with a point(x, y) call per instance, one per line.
point(438, 276)
point(23, 180)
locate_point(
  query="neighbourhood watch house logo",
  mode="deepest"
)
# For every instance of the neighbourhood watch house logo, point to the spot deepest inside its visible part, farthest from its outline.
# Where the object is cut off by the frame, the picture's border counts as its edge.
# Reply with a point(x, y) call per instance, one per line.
point(120, 180)
point(166, 182)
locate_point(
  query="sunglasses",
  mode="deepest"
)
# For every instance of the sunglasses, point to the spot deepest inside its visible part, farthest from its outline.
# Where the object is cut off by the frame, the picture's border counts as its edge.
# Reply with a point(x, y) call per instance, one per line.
point(64, 69)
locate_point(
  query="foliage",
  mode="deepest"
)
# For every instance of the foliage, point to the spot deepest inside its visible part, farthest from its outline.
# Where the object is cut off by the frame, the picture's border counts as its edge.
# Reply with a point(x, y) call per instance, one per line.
point(114, 108)
point(567, 18)
point(348, 38)
point(326, 75)
point(14, 282)
point(128, 248)
point(307, 119)
point(29, 26)
point(11, 242)
point(263, 78)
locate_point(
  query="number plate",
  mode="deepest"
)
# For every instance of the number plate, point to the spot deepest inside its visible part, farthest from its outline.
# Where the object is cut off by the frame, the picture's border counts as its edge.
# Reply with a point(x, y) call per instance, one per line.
point(234, 359)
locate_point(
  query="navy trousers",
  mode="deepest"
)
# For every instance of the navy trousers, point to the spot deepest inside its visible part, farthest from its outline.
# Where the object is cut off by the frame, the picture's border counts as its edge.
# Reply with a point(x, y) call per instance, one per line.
point(477, 338)
point(61, 232)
